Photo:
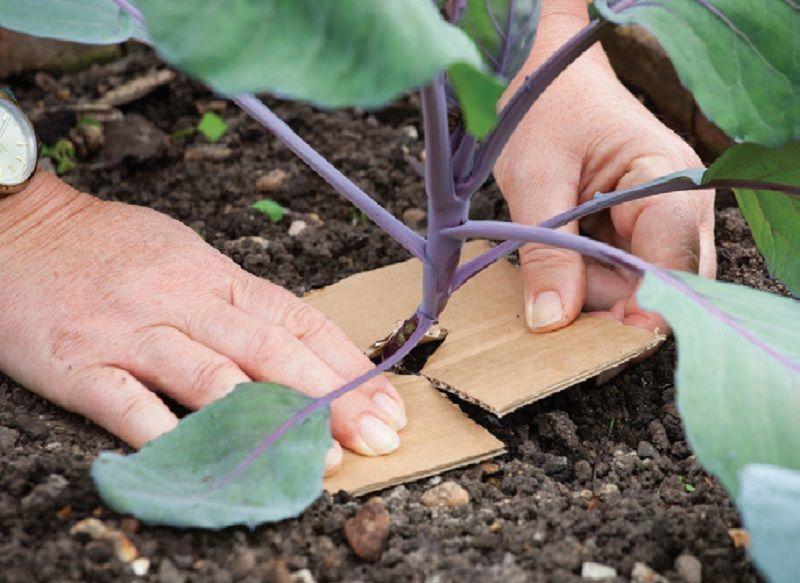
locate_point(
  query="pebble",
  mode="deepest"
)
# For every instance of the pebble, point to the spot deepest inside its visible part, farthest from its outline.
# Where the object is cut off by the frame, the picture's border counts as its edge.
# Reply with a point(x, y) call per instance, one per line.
point(302, 576)
point(646, 450)
point(414, 217)
point(8, 438)
point(740, 537)
point(555, 465)
point(689, 568)
point(490, 468)
point(608, 490)
point(597, 572)
point(445, 494)
point(297, 227)
point(169, 573)
point(271, 181)
point(643, 574)
point(140, 566)
point(207, 152)
point(410, 132)
point(368, 531)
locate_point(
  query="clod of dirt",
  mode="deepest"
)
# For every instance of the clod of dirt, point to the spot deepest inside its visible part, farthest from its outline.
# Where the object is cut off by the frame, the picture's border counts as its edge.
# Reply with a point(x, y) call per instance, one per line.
point(583, 471)
point(658, 435)
point(368, 531)
point(243, 563)
point(168, 573)
point(45, 495)
point(689, 568)
point(448, 494)
point(271, 181)
point(207, 152)
point(8, 438)
point(597, 572)
point(133, 138)
point(643, 574)
point(646, 450)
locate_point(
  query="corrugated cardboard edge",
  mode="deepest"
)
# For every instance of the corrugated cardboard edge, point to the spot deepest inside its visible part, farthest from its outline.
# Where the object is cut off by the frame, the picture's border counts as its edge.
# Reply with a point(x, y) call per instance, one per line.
point(658, 338)
point(426, 474)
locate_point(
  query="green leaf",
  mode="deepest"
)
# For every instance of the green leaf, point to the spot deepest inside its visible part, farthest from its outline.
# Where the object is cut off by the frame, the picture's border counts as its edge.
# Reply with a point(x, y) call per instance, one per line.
point(212, 126)
point(738, 374)
point(209, 473)
point(738, 57)
point(86, 21)
point(770, 507)
point(478, 94)
point(269, 207)
point(334, 53)
point(490, 22)
point(773, 217)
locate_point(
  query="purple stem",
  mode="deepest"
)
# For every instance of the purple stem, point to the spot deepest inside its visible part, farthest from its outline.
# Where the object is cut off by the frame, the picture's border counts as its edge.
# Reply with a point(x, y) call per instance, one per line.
point(346, 187)
point(610, 255)
point(424, 323)
point(505, 50)
point(445, 209)
point(523, 99)
point(604, 201)
point(131, 9)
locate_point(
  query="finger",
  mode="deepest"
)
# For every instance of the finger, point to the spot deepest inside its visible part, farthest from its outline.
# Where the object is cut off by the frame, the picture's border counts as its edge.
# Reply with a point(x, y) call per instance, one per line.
point(269, 353)
point(333, 459)
point(324, 338)
point(605, 286)
point(554, 279)
point(115, 400)
point(189, 372)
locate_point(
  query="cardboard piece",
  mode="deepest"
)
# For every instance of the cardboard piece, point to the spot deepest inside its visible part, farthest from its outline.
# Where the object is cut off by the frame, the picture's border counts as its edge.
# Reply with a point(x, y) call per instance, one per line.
point(489, 357)
point(438, 437)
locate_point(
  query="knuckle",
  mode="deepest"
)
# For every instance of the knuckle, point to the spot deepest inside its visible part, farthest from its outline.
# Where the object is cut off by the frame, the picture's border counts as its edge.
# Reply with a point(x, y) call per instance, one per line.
point(132, 407)
point(267, 343)
point(539, 257)
point(303, 321)
point(208, 375)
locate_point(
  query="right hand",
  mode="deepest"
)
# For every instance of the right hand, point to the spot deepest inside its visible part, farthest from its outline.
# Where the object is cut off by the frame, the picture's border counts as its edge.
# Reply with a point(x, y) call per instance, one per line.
point(103, 305)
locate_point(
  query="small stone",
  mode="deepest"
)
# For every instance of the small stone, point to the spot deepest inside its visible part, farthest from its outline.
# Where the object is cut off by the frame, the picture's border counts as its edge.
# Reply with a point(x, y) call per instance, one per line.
point(689, 568)
point(445, 494)
point(8, 438)
point(410, 132)
point(646, 450)
point(297, 227)
point(597, 572)
point(271, 181)
point(414, 217)
point(583, 471)
point(555, 465)
point(643, 574)
point(368, 531)
point(207, 152)
point(586, 494)
point(740, 538)
point(133, 137)
point(302, 576)
point(35, 428)
point(490, 468)
point(140, 566)
point(169, 573)
point(608, 490)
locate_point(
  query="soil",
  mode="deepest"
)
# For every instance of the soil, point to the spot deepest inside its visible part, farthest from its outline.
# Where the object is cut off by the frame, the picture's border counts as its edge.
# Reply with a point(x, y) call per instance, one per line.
point(595, 473)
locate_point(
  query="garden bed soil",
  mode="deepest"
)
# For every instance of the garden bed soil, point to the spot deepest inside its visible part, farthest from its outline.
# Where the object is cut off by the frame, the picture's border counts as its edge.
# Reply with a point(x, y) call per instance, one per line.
point(595, 473)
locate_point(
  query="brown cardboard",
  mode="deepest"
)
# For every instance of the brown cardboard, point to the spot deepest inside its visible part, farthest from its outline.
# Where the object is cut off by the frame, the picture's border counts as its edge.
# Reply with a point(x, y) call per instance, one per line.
point(489, 356)
point(438, 437)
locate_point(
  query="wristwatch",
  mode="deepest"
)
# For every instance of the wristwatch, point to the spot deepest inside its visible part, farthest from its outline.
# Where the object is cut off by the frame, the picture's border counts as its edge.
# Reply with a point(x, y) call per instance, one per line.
point(19, 149)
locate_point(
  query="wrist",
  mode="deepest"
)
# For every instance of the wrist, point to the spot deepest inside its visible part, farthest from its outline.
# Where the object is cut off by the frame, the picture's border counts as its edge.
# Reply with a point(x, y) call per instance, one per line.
point(43, 202)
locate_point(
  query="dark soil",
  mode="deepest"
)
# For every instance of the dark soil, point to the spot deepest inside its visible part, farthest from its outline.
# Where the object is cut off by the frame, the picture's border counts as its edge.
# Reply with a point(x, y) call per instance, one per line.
point(571, 489)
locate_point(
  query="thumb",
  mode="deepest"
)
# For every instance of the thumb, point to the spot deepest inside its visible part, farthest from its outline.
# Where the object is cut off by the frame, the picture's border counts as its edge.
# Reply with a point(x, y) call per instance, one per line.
point(554, 279)
point(554, 283)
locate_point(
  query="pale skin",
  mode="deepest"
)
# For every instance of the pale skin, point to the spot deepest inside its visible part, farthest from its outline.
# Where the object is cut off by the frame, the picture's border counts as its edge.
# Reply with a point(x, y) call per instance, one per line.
point(106, 307)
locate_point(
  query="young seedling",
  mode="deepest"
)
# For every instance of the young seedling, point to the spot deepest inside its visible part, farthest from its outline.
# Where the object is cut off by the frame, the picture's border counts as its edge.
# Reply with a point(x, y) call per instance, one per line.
point(212, 126)
point(256, 455)
point(269, 207)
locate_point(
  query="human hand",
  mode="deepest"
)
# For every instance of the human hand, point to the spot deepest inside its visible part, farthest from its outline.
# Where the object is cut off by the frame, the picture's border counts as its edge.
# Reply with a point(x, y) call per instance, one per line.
point(103, 305)
point(587, 133)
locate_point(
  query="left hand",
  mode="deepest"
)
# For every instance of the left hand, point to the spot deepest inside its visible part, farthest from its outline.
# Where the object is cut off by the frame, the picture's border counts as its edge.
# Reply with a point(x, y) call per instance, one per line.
point(585, 134)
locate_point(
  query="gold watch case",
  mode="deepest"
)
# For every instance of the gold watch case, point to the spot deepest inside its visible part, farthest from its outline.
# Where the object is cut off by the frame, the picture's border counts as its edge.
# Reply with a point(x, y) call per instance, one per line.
point(19, 116)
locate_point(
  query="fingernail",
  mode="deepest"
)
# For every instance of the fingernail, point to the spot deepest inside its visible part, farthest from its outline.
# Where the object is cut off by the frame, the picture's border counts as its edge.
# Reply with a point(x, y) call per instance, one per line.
point(543, 310)
point(391, 408)
point(333, 459)
point(379, 437)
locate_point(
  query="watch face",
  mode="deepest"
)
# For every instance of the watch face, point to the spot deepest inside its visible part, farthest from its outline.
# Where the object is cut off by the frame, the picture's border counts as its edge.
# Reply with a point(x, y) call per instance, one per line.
point(17, 145)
